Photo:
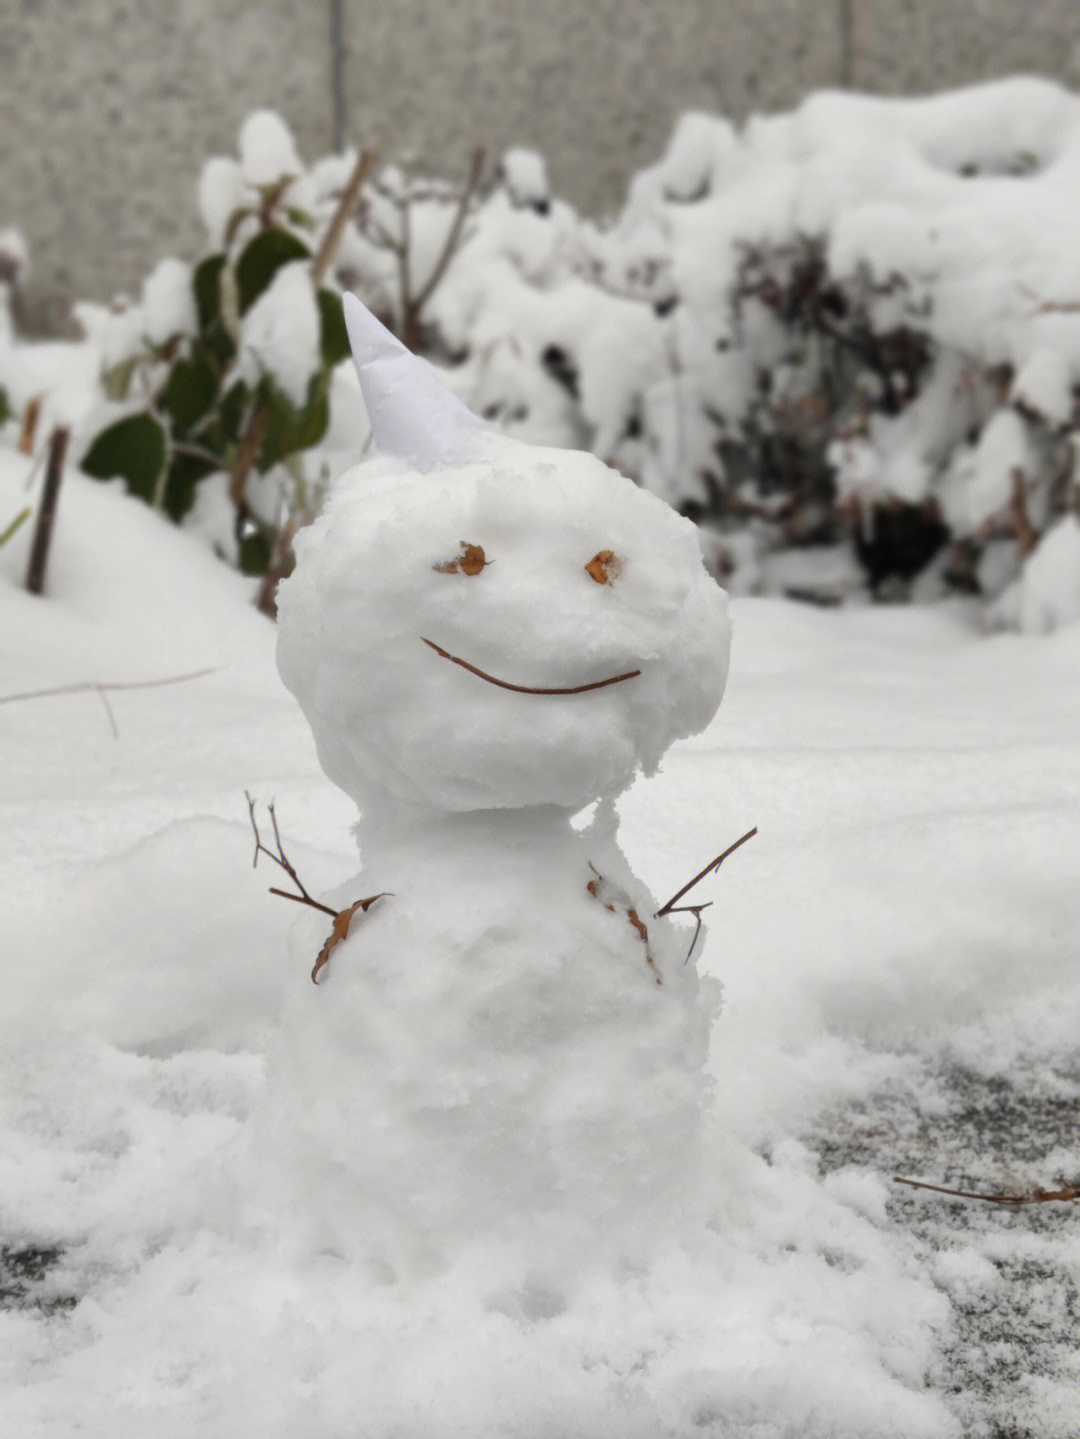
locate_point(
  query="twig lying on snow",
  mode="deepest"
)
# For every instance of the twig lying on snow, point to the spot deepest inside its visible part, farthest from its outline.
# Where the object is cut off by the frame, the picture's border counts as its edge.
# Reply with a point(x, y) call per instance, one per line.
point(100, 688)
point(107, 685)
point(673, 906)
point(341, 918)
point(1037, 1196)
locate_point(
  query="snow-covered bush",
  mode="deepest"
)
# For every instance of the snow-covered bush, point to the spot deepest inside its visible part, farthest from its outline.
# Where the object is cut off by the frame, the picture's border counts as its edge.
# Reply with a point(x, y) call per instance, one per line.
point(858, 321)
point(861, 317)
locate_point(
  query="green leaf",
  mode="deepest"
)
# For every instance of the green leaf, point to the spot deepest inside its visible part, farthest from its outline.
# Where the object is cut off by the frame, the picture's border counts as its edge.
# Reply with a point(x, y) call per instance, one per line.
point(232, 412)
point(333, 337)
point(133, 448)
point(6, 411)
point(219, 343)
point(253, 555)
point(261, 259)
point(185, 472)
point(189, 392)
point(207, 286)
point(291, 427)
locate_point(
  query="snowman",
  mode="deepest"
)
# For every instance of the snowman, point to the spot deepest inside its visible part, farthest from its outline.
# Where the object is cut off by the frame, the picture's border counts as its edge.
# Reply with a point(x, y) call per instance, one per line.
point(505, 1056)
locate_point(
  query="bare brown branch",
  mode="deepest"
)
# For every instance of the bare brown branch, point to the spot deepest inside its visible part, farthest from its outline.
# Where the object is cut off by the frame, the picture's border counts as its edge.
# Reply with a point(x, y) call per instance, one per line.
point(350, 197)
point(342, 918)
point(1027, 536)
point(28, 428)
point(453, 238)
point(695, 910)
point(248, 452)
point(280, 558)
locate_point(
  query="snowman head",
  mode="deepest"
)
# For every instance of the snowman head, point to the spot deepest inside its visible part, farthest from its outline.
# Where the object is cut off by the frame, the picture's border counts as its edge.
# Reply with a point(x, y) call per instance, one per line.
point(476, 623)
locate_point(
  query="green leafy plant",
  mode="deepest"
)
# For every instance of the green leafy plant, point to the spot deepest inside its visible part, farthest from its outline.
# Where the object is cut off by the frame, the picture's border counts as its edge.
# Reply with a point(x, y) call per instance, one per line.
point(199, 399)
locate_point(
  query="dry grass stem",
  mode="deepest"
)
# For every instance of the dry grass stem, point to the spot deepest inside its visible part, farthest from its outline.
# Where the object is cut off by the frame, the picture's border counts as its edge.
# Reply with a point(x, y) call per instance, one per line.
point(1012, 1201)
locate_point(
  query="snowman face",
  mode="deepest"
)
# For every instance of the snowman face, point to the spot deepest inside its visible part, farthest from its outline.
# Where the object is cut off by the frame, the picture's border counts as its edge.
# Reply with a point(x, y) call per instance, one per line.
point(519, 632)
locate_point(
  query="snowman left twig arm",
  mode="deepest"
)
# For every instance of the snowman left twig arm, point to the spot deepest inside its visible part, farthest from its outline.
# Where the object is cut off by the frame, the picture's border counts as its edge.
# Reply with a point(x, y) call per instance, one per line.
point(280, 859)
point(342, 918)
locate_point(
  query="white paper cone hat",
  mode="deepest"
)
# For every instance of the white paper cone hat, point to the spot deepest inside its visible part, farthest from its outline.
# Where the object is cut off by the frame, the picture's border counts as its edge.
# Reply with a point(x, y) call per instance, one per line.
point(414, 417)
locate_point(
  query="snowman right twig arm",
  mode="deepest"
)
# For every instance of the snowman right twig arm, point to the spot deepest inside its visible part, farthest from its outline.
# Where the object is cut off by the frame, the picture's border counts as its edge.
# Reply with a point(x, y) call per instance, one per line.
point(674, 907)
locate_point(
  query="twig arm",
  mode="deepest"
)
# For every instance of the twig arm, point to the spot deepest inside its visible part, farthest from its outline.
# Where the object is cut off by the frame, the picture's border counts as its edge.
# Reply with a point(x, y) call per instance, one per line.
point(281, 860)
point(712, 865)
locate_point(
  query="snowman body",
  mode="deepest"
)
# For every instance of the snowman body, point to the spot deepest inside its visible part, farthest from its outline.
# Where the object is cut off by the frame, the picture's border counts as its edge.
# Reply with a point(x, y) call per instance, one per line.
point(509, 1049)
point(496, 1058)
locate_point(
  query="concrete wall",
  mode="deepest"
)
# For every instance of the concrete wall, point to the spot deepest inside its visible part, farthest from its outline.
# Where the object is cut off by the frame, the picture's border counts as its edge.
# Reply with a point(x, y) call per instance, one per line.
point(108, 107)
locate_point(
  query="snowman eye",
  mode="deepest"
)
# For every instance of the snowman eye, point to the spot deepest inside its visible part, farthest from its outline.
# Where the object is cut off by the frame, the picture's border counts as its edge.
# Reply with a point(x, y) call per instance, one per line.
point(603, 567)
point(470, 562)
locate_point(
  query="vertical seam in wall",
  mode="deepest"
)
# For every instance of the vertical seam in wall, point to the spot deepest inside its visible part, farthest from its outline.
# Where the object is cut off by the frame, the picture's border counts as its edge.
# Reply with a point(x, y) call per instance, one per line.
point(336, 29)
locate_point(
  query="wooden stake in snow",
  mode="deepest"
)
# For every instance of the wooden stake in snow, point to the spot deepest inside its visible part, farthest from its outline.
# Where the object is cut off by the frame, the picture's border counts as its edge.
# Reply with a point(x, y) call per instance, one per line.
point(54, 473)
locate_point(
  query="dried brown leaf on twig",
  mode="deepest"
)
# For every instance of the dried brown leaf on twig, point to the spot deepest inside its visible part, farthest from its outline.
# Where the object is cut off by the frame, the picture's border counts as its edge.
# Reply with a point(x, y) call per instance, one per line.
point(613, 898)
point(340, 931)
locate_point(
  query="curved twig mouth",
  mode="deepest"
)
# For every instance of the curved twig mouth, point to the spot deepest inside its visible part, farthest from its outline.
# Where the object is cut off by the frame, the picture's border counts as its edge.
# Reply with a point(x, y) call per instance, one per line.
point(528, 689)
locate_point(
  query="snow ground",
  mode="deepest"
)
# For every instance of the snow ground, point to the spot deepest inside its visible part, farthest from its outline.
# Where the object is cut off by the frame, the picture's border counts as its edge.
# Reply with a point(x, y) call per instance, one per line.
point(898, 951)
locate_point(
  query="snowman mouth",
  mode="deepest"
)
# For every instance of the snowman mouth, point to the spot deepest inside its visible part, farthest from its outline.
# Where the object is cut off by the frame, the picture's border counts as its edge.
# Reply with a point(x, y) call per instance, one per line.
point(528, 689)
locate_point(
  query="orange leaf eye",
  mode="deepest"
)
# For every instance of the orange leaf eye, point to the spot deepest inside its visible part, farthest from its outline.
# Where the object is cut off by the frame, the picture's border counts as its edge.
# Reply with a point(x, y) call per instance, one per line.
point(603, 567)
point(470, 562)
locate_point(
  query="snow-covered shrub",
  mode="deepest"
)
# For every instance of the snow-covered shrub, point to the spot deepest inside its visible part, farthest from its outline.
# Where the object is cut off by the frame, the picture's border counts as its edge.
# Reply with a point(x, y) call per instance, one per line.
point(858, 321)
